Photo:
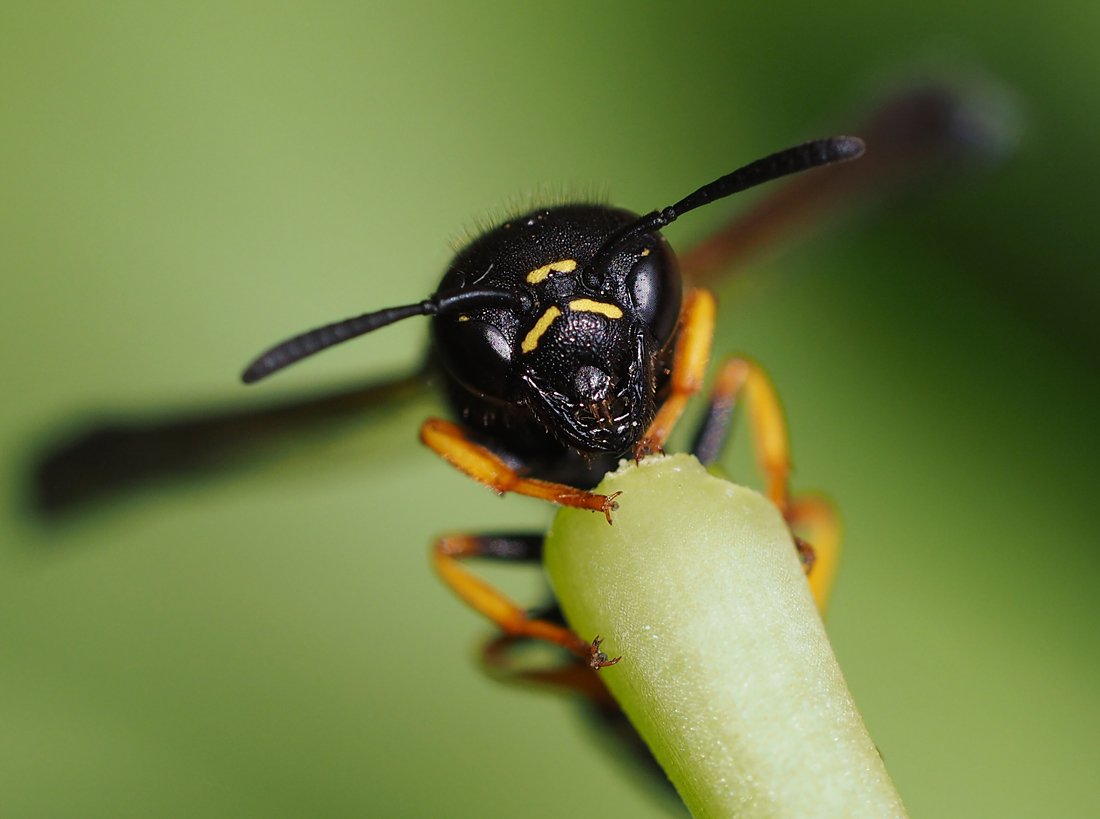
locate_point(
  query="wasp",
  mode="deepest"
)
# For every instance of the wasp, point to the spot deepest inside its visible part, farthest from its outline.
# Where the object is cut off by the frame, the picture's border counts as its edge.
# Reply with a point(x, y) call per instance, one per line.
point(564, 341)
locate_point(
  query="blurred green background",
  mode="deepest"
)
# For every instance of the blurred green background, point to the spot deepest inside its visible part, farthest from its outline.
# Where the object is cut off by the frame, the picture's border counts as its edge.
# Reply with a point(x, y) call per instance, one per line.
point(182, 186)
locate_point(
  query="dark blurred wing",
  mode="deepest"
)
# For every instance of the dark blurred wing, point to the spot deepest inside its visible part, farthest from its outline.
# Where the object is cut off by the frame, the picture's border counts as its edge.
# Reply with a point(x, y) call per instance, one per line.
point(922, 133)
point(108, 458)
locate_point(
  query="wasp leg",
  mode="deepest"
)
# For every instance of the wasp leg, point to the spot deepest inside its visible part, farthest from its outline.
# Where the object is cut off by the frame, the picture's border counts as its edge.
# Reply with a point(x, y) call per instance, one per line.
point(815, 517)
point(769, 430)
point(505, 662)
point(447, 553)
point(502, 659)
point(811, 515)
point(451, 443)
point(689, 367)
point(717, 424)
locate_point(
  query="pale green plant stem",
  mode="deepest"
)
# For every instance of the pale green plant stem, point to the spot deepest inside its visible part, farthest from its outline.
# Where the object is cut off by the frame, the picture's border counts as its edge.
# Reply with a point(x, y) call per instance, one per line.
point(726, 670)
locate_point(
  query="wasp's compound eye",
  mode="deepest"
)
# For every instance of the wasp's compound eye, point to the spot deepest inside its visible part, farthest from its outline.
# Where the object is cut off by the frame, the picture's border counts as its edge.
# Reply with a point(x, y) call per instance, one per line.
point(655, 288)
point(477, 354)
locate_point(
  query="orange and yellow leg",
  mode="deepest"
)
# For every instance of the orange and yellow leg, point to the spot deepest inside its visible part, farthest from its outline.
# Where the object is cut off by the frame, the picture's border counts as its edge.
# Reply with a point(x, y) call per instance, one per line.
point(483, 598)
point(738, 379)
point(814, 518)
point(689, 368)
point(451, 443)
point(503, 659)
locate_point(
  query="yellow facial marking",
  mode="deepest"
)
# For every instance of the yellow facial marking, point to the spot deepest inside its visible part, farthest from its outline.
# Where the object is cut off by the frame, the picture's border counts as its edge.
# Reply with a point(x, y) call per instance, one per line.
point(645, 252)
point(531, 340)
point(589, 306)
point(540, 273)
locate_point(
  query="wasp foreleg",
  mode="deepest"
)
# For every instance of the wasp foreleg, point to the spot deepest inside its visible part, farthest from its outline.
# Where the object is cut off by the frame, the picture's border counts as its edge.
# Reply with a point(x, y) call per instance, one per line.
point(485, 599)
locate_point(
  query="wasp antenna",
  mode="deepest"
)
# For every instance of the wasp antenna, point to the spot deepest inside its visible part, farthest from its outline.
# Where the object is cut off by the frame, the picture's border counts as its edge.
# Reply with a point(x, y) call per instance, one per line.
point(313, 341)
point(305, 344)
point(784, 163)
point(802, 157)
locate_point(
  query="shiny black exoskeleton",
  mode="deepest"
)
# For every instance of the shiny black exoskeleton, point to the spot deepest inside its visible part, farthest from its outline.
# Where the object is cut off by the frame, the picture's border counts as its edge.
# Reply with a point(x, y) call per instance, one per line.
point(552, 332)
point(577, 364)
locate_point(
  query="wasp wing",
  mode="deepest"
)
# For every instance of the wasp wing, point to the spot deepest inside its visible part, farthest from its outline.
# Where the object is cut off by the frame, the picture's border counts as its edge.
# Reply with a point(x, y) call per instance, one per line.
point(921, 133)
point(109, 458)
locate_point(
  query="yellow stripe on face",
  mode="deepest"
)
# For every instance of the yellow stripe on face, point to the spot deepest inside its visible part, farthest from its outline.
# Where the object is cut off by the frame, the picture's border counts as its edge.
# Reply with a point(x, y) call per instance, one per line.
point(531, 340)
point(541, 273)
point(589, 306)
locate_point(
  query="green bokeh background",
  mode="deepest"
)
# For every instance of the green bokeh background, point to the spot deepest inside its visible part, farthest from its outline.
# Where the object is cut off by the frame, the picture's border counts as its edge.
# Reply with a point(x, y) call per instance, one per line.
point(184, 185)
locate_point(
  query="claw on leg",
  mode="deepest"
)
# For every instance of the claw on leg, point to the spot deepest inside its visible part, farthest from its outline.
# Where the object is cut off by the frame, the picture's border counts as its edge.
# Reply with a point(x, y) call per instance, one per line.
point(597, 659)
point(452, 443)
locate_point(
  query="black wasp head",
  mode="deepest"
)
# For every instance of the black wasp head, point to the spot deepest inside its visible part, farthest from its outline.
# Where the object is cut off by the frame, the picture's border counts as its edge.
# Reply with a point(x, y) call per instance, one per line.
point(579, 349)
point(562, 314)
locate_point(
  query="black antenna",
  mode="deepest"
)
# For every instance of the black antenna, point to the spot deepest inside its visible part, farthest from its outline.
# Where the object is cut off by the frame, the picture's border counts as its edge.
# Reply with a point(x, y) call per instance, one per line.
point(792, 160)
point(313, 341)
